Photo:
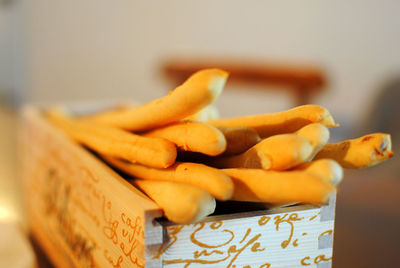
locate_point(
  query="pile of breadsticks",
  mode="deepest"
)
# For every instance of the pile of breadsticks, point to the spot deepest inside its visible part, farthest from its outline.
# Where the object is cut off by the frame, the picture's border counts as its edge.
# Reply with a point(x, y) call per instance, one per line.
point(184, 158)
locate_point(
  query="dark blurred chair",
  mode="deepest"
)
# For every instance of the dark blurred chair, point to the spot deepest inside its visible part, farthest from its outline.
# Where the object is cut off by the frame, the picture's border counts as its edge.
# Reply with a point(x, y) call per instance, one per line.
point(301, 82)
point(384, 116)
point(367, 216)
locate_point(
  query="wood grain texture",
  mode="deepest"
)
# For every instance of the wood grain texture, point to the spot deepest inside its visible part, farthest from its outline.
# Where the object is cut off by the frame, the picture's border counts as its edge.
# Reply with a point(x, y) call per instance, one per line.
point(287, 237)
point(82, 213)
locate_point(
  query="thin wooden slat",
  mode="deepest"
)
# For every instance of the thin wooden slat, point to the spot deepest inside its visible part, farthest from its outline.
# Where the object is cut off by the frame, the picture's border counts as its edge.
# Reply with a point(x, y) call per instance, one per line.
point(285, 237)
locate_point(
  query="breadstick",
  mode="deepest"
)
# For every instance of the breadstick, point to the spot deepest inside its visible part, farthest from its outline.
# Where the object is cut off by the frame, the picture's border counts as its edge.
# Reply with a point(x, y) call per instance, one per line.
point(198, 91)
point(182, 203)
point(362, 152)
point(192, 136)
point(317, 134)
point(278, 152)
point(239, 139)
point(282, 122)
point(110, 141)
point(328, 169)
point(210, 112)
point(207, 178)
point(257, 185)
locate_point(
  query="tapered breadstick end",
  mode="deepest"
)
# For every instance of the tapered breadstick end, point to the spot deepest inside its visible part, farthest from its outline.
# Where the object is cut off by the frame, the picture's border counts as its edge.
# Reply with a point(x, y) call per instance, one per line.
point(213, 180)
point(180, 202)
point(217, 80)
point(362, 152)
point(111, 141)
point(317, 134)
point(337, 173)
point(198, 91)
point(208, 113)
point(192, 136)
point(287, 121)
point(257, 185)
point(286, 150)
point(278, 152)
point(327, 119)
point(327, 169)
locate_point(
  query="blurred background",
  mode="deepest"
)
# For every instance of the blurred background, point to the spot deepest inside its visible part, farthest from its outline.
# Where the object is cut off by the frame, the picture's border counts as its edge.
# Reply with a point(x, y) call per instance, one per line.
point(99, 51)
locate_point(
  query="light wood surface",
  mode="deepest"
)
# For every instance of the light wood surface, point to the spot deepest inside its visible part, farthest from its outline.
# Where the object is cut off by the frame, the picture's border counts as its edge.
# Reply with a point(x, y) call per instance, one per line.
point(82, 213)
point(287, 237)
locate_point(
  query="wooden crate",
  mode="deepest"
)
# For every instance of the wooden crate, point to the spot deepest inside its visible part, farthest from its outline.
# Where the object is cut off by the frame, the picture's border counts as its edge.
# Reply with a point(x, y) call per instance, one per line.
point(84, 214)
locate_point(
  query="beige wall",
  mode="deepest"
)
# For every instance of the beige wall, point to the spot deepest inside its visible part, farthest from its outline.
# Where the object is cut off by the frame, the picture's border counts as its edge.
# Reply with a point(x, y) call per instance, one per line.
point(6, 26)
point(102, 49)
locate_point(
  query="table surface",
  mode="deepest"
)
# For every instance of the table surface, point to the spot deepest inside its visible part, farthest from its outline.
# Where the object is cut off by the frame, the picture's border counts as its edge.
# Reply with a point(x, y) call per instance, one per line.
point(367, 223)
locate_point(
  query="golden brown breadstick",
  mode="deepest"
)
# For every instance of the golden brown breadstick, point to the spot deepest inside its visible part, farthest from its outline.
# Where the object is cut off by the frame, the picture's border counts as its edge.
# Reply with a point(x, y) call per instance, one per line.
point(118, 143)
point(257, 185)
point(328, 169)
point(207, 178)
point(362, 152)
point(210, 112)
point(282, 122)
point(192, 136)
point(278, 152)
point(182, 203)
point(317, 134)
point(198, 91)
point(239, 139)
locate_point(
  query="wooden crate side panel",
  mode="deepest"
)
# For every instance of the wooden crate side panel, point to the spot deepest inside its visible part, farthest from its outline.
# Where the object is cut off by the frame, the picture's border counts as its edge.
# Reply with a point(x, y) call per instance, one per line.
point(79, 209)
point(287, 239)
